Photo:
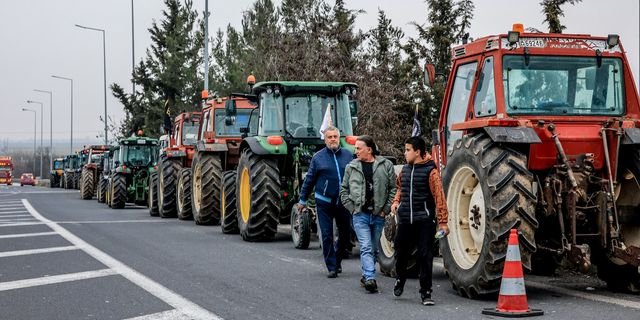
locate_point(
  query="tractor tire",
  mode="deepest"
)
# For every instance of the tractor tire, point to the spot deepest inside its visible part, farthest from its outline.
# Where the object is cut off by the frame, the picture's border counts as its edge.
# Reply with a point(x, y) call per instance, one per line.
point(68, 181)
point(76, 181)
point(301, 227)
point(167, 182)
point(87, 184)
point(119, 192)
point(206, 182)
point(52, 181)
point(153, 195)
point(228, 209)
point(258, 197)
point(387, 251)
point(489, 192)
point(102, 190)
point(183, 195)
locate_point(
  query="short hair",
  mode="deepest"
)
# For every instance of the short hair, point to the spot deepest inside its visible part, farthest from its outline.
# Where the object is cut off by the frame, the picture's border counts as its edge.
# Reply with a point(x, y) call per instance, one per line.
point(417, 143)
point(368, 141)
point(331, 128)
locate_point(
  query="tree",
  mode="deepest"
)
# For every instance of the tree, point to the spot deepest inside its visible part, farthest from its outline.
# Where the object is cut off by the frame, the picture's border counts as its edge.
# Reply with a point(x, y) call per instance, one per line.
point(552, 11)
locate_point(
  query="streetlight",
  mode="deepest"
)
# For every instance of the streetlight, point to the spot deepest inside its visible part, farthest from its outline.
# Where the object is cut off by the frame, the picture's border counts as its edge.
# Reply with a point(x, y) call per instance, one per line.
point(104, 75)
point(50, 125)
point(69, 79)
point(41, 121)
point(34, 137)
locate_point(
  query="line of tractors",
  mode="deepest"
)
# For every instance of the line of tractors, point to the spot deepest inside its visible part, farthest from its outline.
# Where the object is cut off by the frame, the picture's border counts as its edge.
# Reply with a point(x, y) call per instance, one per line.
point(538, 132)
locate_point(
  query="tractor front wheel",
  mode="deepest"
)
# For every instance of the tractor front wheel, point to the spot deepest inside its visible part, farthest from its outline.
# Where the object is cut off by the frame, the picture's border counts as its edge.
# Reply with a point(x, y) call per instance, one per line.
point(87, 185)
point(102, 190)
point(301, 227)
point(387, 251)
point(168, 178)
point(183, 195)
point(119, 191)
point(68, 180)
point(152, 200)
point(228, 209)
point(206, 181)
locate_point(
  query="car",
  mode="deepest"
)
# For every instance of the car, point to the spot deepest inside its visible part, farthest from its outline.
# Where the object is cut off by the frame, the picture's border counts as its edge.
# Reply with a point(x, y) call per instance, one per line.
point(27, 179)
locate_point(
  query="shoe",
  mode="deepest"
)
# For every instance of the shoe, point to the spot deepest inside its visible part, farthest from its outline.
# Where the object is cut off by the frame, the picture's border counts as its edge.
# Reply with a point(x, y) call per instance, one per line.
point(398, 288)
point(426, 299)
point(362, 281)
point(332, 274)
point(339, 269)
point(371, 286)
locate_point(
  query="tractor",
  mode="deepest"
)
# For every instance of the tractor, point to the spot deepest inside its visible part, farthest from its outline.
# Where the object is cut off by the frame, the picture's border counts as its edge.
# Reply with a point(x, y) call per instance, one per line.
point(136, 160)
point(91, 170)
point(70, 163)
point(102, 185)
point(56, 173)
point(540, 133)
point(216, 156)
point(276, 150)
point(174, 168)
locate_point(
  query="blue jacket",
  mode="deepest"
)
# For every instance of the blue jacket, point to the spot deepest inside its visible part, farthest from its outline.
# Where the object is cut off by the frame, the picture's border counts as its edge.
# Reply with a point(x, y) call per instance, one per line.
point(325, 174)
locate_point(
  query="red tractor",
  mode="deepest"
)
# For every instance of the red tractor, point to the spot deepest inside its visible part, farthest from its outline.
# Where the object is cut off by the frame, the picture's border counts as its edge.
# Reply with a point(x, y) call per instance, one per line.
point(91, 170)
point(174, 168)
point(541, 133)
point(217, 156)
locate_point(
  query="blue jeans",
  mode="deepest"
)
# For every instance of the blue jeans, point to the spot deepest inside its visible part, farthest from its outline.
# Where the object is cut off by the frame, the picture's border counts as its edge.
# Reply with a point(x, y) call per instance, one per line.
point(368, 228)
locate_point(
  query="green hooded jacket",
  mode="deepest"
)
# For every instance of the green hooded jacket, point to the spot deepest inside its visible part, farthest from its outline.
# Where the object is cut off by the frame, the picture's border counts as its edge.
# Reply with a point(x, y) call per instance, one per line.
point(352, 192)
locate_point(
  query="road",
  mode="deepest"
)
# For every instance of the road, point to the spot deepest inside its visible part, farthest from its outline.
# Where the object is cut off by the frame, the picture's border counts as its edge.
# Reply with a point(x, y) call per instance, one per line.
point(66, 258)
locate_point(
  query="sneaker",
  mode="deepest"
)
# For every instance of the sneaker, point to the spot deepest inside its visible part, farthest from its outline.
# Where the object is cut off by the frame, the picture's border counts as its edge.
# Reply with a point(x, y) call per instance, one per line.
point(426, 299)
point(339, 269)
point(362, 281)
point(332, 274)
point(398, 288)
point(371, 286)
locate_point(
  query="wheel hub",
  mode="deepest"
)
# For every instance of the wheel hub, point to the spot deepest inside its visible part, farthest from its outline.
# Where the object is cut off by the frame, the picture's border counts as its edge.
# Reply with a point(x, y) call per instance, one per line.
point(245, 195)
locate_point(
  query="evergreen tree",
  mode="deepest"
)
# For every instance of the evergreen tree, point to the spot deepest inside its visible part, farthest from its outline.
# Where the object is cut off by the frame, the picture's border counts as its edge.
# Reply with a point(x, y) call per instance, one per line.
point(552, 12)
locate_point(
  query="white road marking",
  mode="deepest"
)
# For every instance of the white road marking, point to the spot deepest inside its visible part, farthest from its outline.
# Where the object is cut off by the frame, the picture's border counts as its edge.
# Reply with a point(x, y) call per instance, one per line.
point(27, 283)
point(12, 220)
point(10, 212)
point(109, 221)
point(3, 216)
point(181, 304)
point(36, 251)
point(17, 224)
point(165, 315)
point(25, 235)
point(10, 208)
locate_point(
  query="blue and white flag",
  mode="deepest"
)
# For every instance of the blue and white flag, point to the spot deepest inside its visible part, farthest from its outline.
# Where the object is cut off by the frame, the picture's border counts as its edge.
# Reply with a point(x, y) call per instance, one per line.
point(416, 131)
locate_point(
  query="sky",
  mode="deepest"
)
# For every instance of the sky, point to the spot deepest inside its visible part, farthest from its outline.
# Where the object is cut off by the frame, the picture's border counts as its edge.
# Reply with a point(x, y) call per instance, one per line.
point(38, 39)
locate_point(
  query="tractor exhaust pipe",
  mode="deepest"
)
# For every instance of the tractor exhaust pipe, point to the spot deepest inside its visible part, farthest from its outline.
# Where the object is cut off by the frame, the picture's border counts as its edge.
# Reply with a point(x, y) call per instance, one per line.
point(563, 156)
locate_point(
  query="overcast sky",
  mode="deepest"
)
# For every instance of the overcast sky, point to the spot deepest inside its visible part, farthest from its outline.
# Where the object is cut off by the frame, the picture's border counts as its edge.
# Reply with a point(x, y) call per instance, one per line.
point(38, 39)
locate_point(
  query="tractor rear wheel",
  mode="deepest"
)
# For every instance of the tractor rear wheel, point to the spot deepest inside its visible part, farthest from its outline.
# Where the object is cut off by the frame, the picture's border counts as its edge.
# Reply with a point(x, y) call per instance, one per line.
point(228, 209)
point(489, 192)
point(258, 197)
point(119, 191)
point(102, 190)
point(87, 184)
point(183, 195)
point(205, 188)
point(76, 181)
point(152, 200)
point(167, 182)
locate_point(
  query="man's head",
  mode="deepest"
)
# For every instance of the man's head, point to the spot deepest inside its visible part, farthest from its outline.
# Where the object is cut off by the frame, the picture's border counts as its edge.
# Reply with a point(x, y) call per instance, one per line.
point(332, 138)
point(366, 148)
point(415, 149)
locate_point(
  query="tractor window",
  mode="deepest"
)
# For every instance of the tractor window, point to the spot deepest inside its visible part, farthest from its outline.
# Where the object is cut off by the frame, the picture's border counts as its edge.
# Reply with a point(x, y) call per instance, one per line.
point(57, 165)
point(205, 124)
point(485, 100)
point(139, 155)
point(176, 134)
point(305, 113)
point(189, 133)
point(233, 130)
point(271, 123)
point(459, 100)
point(343, 121)
point(555, 85)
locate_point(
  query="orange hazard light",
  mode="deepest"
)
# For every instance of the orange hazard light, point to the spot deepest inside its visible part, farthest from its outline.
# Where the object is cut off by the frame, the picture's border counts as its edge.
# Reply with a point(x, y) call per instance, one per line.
point(518, 27)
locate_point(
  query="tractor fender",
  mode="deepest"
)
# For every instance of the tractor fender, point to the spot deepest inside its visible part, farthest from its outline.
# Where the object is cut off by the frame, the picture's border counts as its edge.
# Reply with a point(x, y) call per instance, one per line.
point(631, 136)
point(524, 135)
point(211, 147)
point(255, 146)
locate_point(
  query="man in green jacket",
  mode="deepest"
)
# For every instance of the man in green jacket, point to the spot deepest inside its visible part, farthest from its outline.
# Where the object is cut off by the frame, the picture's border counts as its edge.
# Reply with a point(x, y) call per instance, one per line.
point(367, 191)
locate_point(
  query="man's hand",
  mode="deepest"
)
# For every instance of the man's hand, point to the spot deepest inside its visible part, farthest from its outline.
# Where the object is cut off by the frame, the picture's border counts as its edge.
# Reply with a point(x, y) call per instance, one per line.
point(300, 206)
point(445, 228)
point(394, 207)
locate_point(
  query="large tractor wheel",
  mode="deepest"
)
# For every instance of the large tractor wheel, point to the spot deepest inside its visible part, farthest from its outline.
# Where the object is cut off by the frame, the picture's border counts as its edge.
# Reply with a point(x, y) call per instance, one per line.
point(206, 182)
point(167, 182)
point(258, 197)
point(68, 180)
point(87, 184)
point(102, 190)
point(76, 180)
point(489, 192)
point(183, 195)
point(119, 191)
point(301, 227)
point(387, 251)
point(153, 195)
point(228, 209)
point(52, 181)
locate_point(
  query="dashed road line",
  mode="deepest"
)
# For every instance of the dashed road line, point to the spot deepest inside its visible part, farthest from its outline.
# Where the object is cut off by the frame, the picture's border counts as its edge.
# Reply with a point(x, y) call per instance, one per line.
point(181, 304)
point(165, 315)
point(25, 235)
point(18, 224)
point(16, 253)
point(27, 283)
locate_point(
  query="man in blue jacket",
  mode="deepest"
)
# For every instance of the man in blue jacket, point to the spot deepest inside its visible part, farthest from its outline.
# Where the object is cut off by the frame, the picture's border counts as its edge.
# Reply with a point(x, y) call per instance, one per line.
point(325, 175)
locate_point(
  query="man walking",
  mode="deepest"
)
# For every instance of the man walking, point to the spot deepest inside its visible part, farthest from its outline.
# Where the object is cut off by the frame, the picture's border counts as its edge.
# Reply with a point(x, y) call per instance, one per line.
point(325, 174)
point(418, 203)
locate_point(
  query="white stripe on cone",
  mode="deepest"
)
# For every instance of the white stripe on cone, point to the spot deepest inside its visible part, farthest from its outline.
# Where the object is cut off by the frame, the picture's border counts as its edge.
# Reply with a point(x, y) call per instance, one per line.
point(513, 253)
point(512, 287)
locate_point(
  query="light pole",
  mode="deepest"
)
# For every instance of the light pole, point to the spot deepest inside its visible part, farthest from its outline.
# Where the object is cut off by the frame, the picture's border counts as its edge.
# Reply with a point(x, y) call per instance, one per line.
point(104, 76)
point(133, 54)
point(34, 137)
point(69, 79)
point(50, 125)
point(206, 45)
point(41, 121)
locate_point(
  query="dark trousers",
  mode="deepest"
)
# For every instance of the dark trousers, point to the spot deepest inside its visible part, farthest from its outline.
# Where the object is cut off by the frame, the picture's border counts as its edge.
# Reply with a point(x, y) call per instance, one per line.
point(327, 212)
point(408, 236)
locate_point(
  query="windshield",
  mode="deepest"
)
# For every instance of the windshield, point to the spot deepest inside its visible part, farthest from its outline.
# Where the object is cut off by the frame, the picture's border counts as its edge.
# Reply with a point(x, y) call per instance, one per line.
point(139, 155)
point(57, 165)
point(190, 133)
point(552, 85)
point(233, 130)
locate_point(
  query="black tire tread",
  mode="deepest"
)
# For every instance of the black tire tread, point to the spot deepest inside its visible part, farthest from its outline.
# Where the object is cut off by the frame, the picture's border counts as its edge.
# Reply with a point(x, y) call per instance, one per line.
point(229, 214)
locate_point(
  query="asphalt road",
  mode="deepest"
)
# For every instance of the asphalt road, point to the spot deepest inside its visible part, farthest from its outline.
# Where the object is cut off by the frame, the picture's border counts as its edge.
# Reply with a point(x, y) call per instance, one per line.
point(66, 258)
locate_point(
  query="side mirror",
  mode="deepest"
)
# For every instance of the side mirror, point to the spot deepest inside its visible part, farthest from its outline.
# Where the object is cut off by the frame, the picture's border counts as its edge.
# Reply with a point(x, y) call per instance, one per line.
point(469, 81)
point(429, 74)
point(229, 120)
point(244, 130)
point(435, 137)
point(230, 108)
point(117, 163)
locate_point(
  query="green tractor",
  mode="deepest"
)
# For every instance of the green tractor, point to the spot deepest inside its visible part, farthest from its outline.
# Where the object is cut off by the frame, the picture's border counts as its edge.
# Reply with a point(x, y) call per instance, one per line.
point(136, 160)
point(70, 163)
point(275, 155)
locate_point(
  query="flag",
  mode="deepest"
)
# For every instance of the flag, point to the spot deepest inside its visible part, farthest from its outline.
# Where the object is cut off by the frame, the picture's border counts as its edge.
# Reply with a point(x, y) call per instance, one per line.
point(326, 121)
point(416, 131)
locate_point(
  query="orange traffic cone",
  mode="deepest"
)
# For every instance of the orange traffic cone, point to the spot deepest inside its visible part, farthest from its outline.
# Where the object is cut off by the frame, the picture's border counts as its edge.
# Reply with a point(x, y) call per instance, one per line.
point(512, 302)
